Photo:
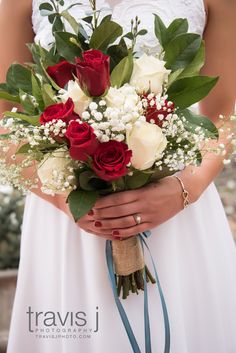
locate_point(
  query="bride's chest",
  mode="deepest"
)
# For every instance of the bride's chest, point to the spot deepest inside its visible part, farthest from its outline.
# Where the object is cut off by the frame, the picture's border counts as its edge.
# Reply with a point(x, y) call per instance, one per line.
point(125, 10)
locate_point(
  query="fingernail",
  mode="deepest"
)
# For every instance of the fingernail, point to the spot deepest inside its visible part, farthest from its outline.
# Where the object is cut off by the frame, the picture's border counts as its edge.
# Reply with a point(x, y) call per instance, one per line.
point(97, 224)
point(91, 213)
point(118, 238)
point(115, 233)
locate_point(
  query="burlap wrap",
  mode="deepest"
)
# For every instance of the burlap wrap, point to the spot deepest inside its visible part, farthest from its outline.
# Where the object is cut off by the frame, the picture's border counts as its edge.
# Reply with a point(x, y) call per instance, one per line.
point(127, 256)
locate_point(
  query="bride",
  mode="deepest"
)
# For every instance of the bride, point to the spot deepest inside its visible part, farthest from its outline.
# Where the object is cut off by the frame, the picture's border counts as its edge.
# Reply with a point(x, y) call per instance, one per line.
point(64, 302)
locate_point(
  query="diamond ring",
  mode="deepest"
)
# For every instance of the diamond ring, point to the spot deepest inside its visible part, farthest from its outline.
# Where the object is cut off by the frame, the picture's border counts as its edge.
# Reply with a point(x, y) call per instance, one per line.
point(137, 218)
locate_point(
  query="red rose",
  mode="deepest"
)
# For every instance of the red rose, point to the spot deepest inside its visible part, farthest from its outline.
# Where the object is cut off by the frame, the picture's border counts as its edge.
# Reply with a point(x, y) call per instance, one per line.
point(83, 141)
point(158, 116)
point(110, 160)
point(62, 111)
point(93, 72)
point(62, 73)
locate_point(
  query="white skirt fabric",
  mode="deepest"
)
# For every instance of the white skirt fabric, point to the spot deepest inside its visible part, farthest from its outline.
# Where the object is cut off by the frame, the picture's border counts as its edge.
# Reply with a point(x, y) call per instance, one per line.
point(63, 288)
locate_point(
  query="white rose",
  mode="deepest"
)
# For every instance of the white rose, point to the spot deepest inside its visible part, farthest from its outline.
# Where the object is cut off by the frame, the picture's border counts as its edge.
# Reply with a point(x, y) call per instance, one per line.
point(147, 143)
point(55, 172)
point(73, 91)
point(149, 73)
point(121, 97)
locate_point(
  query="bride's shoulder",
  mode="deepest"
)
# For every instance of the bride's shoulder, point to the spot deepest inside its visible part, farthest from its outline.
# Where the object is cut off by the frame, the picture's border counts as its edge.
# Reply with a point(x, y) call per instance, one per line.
point(221, 4)
point(22, 6)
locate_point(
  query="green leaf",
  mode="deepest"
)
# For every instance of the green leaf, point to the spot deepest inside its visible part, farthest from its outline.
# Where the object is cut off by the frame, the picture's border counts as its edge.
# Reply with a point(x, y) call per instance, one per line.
point(45, 9)
point(105, 34)
point(192, 69)
point(48, 95)
point(129, 35)
point(52, 82)
point(106, 18)
point(122, 72)
point(189, 90)
point(19, 77)
point(89, 181)
point(67, 49)
point(160, 30)
point(142, 32)
point(83, 38)
point(71, 20)
point(37, 92)
point(81, 202)
point(9, 97)
point(27, 103)
point(24, 149)
point(4, 136)
point(52, 17)
point(88, 19)
point(196, 64)
point(194, 120)
point(181, 50)
point(3, 87)
point(137, 180)
point(177, 27)
point(33, 120)
point(57, 25)
point(41, 55)
point(117, 52)
point(174, 76)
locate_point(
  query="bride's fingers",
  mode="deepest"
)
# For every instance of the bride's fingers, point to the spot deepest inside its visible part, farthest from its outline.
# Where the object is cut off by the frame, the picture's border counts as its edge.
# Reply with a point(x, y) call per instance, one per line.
point(128, 232)
point(117, 223)
point(117, 211)
point(119, 198)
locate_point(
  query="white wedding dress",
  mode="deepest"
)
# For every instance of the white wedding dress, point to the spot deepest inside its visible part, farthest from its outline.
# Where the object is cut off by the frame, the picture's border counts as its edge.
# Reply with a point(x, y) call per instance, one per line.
point(63, 269)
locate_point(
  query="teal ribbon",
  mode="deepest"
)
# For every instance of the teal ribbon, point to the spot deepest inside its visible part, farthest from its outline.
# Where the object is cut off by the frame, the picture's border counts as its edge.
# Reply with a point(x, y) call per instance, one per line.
point(124, 318)
point(120, 307)
point(163, 303)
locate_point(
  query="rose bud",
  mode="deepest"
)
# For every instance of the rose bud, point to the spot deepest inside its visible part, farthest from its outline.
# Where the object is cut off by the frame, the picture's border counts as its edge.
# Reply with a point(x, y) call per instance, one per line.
point(59, 111)
point(110, 160)
point(62, 73)
point(82, 140)
point(93, 72)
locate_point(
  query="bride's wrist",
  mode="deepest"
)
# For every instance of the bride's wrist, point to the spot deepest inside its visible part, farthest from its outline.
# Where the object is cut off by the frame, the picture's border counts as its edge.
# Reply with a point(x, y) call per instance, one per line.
point(192, 183)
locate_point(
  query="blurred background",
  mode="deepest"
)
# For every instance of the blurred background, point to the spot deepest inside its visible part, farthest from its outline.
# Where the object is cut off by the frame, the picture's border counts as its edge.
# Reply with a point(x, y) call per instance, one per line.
point(11, 213)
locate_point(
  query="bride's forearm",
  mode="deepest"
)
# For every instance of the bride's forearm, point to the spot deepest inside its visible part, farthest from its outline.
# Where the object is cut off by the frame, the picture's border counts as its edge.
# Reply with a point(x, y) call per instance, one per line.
point(197, 179)
point(30, 173)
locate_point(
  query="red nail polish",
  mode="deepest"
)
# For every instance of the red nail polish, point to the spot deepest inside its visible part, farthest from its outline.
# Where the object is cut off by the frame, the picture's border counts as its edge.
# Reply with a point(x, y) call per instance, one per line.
point(91, 213)
point(118, 238)
point(97, 224)
point(115, 233)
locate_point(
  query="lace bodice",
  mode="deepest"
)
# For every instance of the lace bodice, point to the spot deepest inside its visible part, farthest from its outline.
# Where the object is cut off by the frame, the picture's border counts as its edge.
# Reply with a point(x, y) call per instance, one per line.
point(124, 10)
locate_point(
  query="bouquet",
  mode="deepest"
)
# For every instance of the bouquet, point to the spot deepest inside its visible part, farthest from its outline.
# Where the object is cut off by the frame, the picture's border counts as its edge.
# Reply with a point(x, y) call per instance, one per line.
point(98, 117)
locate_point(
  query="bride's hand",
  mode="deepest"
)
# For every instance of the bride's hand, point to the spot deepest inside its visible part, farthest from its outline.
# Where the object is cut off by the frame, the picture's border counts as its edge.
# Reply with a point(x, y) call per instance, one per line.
point(113, 215)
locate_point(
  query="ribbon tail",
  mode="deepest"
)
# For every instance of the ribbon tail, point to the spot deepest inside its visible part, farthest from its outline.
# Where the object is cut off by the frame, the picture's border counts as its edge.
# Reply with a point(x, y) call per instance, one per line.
point(163, 303)
point(148, 344)
point(120, 307)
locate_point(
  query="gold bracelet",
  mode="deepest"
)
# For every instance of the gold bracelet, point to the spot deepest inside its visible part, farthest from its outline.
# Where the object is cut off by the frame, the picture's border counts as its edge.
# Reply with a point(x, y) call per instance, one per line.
point(185, 193)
